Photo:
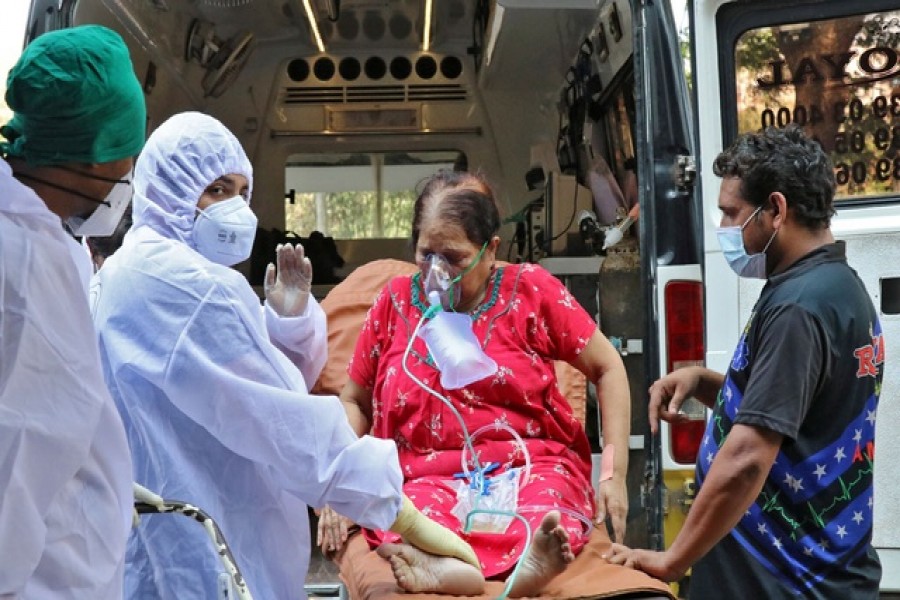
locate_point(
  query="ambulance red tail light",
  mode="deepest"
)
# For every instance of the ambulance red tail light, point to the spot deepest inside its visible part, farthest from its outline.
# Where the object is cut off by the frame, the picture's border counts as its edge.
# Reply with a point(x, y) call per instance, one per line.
point(684, 346)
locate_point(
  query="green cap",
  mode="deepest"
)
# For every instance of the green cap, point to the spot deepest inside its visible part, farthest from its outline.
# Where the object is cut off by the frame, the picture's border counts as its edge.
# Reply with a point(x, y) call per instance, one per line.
point(76, 99)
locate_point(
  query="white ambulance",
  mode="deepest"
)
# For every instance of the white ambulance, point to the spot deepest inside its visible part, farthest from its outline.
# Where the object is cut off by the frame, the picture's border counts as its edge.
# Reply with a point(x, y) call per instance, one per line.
point(580, 114)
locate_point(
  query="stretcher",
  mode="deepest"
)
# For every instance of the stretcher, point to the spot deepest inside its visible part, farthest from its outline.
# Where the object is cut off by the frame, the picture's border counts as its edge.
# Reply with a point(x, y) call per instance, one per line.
point(146, 502)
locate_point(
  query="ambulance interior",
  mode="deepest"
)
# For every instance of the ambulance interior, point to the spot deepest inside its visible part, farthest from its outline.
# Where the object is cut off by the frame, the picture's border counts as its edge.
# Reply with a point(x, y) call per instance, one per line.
point(345, 106)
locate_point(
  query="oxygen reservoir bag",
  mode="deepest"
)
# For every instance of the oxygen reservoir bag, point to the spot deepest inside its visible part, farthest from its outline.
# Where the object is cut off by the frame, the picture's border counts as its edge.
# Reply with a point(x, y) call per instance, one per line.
point(455, 349)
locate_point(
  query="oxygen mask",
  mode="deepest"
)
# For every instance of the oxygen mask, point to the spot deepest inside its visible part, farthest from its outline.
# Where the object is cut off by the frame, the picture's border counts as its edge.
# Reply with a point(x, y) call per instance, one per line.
point(439, 279)
point(456, 351)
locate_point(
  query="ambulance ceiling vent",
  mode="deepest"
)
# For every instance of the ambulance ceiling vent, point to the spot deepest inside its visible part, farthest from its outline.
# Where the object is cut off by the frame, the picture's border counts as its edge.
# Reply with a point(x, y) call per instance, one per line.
point(333, 80)
point(378, 94)
point(424, 68)
point(226, 3)
point(436, 92)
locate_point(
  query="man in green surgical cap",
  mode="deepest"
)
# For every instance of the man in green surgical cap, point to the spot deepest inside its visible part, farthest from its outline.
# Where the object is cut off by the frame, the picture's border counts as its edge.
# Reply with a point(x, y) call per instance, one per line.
point(65, 468)
point(79, 122)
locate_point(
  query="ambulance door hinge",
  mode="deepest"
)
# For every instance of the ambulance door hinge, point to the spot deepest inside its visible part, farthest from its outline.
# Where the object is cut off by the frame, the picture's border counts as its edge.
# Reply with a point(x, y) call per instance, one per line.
point(685, 172)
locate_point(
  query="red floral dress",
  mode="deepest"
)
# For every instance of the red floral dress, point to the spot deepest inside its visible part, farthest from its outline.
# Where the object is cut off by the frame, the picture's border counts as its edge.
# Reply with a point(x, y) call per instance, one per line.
point(528, 320)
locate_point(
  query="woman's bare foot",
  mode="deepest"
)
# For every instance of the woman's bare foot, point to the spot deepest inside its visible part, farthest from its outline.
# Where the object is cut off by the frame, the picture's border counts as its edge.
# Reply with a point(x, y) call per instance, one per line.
point(418, 571)
point(548, 556)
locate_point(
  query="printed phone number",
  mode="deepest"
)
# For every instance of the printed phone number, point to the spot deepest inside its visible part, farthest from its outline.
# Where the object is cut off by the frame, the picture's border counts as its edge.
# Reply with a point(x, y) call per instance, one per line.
point(884, 169)
point(854, 110)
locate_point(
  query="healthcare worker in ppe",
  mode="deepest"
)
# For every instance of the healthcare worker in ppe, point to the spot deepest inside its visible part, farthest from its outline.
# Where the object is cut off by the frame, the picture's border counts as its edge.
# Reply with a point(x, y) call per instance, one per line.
point(65, 469)
point(70, 139)
point(215, 413)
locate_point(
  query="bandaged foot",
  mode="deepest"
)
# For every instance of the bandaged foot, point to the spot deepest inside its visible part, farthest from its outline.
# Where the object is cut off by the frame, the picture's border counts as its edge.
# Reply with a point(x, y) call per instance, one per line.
point(420, 531)
point(418, 571)
point(549, 555)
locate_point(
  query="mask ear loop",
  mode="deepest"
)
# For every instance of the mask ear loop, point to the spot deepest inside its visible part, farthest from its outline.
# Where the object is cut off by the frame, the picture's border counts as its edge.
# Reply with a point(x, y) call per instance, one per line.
point(92, 176)
point(61, 188)
point(774, 233)
point(750, 218)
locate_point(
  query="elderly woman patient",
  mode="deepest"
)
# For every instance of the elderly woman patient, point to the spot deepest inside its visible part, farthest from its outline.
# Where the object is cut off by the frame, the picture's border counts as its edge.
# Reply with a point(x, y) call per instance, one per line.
point(524, 319)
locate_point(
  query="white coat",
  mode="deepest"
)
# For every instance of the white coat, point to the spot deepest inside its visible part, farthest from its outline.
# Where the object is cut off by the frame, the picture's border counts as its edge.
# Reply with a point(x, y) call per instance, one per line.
point(65, 470)
point(215, 413)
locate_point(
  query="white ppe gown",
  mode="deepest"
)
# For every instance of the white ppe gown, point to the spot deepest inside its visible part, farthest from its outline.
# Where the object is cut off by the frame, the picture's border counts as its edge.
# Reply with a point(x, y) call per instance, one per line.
point(65, 470)
point(216, 415)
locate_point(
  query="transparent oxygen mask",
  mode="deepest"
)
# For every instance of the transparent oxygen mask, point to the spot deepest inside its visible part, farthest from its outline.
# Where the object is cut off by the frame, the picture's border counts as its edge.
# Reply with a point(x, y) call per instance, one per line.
point(439, 279)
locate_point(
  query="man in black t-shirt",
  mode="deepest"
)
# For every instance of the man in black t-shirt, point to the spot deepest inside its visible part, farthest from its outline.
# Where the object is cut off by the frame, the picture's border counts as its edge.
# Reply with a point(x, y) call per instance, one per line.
point(785, 469)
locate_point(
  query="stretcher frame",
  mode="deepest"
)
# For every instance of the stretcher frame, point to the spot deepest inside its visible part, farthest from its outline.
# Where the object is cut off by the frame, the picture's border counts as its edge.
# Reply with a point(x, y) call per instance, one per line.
point(146, 502)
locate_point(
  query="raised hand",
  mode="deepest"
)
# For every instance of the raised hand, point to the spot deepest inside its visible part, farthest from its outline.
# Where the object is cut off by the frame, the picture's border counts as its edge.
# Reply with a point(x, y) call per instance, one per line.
point(287, 292)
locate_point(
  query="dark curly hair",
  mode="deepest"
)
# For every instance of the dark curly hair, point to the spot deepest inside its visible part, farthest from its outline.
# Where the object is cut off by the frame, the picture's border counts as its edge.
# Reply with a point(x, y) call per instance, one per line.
point(786, 161)
point(464, 199)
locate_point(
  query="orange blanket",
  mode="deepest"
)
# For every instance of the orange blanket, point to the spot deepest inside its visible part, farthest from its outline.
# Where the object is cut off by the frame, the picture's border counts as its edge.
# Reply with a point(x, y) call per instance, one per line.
point(368, 577)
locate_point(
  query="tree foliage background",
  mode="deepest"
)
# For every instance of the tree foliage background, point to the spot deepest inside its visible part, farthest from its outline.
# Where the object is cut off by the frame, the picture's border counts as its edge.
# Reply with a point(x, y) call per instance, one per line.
point(354, 215)
point(793, 44)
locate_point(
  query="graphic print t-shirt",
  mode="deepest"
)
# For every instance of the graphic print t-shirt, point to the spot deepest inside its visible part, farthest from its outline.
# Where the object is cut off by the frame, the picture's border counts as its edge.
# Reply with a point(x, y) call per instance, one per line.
point(808, 366)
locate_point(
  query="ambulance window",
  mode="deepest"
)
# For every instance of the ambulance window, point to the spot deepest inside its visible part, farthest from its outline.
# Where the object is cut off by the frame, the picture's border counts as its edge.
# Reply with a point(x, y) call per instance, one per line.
point(360, 195)
point(612, 133)
point(839, 78)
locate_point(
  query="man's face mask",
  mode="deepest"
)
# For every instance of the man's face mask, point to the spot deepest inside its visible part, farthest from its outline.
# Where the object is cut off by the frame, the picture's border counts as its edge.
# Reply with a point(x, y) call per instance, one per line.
point(731, 239)
point(438, 277)
point(105, 218)
point(103, 221)
point(224, 232)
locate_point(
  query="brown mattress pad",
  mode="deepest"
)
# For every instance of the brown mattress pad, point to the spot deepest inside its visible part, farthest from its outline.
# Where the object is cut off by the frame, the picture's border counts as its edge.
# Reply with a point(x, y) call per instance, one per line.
point(368, 577)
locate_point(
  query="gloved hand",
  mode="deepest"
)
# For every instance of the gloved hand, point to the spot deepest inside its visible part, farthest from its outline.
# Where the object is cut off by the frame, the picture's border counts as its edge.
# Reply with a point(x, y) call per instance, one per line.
point(288, 292)
point(422, 532)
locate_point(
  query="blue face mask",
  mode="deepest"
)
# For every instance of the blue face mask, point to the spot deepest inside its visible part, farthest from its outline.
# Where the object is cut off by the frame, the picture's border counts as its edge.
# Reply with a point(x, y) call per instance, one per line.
point(731, 239)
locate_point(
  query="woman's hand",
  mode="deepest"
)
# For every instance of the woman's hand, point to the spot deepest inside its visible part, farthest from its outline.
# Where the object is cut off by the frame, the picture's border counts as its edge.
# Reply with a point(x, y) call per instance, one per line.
point(612, 502)
point(333, 530)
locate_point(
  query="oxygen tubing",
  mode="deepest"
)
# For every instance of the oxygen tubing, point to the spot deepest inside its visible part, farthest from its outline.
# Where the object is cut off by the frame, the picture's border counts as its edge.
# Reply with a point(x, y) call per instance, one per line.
point(431, 311)
point(479, 469)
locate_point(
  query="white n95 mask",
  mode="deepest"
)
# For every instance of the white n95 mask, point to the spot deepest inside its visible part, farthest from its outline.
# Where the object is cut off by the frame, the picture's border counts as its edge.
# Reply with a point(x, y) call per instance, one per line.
point(104, 220)
point(224, 232)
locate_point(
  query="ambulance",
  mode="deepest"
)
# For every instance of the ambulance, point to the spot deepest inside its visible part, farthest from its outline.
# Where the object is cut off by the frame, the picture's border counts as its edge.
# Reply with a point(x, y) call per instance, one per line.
point(596, 121)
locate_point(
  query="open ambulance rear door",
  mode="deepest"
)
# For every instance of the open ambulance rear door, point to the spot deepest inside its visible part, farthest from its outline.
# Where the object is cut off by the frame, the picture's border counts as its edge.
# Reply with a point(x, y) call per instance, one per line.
point(832, 67)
